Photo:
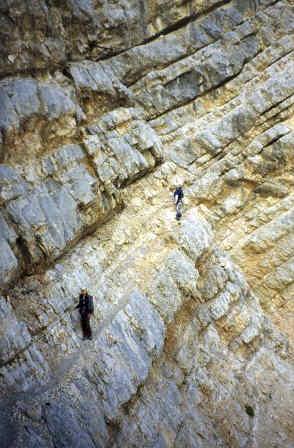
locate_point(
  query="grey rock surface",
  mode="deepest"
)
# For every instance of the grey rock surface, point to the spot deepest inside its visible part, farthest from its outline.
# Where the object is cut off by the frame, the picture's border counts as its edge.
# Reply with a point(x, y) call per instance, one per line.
point(14, 334)
point(106, 107)
point(44, 35)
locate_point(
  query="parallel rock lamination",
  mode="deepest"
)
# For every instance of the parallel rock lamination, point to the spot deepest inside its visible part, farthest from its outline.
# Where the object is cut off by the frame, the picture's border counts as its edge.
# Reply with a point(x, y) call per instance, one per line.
point(103, 106)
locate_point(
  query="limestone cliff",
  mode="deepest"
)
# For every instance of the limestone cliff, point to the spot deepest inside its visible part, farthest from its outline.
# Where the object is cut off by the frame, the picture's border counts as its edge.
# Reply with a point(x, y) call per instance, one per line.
point(104, 107)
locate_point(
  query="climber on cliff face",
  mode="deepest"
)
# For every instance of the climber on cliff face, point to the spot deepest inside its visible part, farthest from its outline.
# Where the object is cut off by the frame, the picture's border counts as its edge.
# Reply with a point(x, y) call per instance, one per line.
point(86, 308)
point(178, 198)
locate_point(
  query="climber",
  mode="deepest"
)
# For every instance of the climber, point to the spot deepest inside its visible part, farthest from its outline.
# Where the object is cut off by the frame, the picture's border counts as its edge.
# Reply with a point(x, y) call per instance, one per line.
point(86, 308)
point(178, 198)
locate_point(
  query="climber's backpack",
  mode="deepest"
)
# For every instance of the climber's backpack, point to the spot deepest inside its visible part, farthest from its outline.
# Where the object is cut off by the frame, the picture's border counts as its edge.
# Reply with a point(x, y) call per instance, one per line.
point(90, 305)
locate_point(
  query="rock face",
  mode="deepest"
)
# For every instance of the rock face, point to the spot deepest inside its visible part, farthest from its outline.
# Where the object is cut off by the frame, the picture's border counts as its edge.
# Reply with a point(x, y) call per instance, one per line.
point(104, 108)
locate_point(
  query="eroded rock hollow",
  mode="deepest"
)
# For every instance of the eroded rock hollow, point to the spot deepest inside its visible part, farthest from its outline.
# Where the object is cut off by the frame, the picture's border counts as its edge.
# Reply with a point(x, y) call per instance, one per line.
point(104, 107)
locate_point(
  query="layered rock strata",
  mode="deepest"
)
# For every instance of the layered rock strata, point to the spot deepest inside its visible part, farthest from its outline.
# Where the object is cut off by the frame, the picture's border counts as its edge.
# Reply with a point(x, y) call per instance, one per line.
point(104, 106)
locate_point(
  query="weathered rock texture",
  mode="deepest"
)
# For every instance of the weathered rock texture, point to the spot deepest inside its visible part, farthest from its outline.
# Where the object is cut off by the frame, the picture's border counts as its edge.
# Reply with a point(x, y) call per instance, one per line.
point(104, 107)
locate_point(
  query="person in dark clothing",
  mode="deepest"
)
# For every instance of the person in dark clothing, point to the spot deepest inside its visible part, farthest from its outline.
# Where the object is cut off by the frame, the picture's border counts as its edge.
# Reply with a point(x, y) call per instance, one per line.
point(178, 198)
point(86, 308)
point(178, 195)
